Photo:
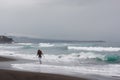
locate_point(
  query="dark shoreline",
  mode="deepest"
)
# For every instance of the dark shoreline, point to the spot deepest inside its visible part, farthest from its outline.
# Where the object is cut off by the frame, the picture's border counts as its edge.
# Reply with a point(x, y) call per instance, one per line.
point(24, 75)
point(6, 59)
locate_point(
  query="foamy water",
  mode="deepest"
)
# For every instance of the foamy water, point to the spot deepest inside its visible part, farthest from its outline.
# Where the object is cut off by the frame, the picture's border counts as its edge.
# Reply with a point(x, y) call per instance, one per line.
point(45, 45)
point(87, 58)
point(105, 70)
point(95, 48)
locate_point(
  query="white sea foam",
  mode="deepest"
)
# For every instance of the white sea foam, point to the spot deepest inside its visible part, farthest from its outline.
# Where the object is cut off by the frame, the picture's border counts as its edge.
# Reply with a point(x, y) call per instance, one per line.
point(89, 55)
point(65, 59)
point(46, 45)
point(6, 53)
point(26, 56)
point(110, 49)
point(108, 70)
point(11, 47)
point(17, 54)
point(24, 43)
point(61, 58)
point(75, 56)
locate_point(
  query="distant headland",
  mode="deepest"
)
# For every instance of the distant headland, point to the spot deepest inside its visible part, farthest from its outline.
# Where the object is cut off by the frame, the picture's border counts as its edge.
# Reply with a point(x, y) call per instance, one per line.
point(5, 39)
point(18, 39)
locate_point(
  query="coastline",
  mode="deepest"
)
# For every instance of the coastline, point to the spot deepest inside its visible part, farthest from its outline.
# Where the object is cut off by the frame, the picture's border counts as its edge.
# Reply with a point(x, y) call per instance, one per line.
point(6, 74)
point(23, 75)
point(6, 59)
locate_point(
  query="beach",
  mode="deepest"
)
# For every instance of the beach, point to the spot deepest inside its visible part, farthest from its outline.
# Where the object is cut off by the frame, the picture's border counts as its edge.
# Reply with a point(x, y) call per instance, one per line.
point(6, 59)
point(8, 74)
point(60, 61)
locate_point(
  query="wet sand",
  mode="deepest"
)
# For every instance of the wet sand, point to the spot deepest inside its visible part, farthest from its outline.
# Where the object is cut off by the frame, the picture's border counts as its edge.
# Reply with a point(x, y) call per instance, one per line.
point(23, 75)
point(6, 59)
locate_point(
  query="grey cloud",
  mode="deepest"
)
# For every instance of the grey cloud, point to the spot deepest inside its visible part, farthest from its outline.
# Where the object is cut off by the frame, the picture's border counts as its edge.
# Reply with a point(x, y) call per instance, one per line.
point(62, 19)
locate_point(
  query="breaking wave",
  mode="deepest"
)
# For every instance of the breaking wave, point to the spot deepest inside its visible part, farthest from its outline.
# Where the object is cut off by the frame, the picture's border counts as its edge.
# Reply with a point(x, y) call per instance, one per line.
point(112, 58)
point(25, 43)
point(110, 49)
point(106, 70)
point(46, 45)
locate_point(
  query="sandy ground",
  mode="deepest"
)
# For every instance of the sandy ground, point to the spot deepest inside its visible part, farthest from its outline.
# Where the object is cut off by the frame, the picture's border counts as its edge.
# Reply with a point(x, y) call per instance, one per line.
point(23, 75)
point(6, 59)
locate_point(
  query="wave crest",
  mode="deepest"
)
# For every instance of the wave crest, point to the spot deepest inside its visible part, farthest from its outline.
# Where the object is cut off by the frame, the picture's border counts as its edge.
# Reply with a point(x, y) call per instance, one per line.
point(100, 49)
point(45, 45)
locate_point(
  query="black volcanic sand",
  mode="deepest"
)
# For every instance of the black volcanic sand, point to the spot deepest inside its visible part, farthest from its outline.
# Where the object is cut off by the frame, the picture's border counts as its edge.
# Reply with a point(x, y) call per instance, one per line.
point(6, 59)
point(23, 75)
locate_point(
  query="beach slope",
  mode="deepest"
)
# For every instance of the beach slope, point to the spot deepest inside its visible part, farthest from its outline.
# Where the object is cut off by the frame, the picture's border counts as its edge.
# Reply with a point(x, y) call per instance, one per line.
point(23, 75)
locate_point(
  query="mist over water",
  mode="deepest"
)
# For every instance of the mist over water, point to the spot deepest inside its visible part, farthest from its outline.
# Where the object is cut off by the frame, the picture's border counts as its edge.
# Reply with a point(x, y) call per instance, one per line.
point(101, 58)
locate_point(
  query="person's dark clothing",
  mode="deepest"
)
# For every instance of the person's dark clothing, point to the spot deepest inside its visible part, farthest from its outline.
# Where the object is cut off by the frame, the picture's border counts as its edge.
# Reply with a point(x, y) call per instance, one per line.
point(39, 53)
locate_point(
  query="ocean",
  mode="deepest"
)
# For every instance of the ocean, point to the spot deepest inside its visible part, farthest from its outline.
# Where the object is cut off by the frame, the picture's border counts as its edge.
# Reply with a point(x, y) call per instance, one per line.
point(96, 58)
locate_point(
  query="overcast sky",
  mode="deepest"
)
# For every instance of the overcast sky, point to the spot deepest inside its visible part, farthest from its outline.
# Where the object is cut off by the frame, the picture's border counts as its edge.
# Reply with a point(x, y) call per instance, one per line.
point(61, 19)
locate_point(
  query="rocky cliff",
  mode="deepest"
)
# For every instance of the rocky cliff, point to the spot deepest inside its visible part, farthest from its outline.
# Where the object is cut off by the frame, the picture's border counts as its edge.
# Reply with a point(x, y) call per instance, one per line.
point(5, 39)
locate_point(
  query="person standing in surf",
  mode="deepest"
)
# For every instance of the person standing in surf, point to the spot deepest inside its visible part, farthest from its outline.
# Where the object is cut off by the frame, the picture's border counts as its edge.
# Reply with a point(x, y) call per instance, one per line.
point(39, 54)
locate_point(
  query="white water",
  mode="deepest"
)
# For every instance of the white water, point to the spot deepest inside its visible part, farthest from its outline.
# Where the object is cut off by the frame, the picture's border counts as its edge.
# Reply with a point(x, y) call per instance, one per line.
point(110, 49)
point(105, 70)
point(54, 58)
point(45, 45)
point(70, 58)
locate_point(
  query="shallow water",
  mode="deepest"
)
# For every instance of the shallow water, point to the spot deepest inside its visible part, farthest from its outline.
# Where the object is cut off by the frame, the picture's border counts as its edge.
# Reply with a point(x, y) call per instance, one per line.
point(99, 58)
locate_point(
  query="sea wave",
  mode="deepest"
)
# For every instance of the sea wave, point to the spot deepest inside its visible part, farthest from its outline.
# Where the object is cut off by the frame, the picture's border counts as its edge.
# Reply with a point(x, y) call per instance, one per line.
point(46, 45)
point(28, 47)
point(24, 43)
point(74, 58)
point(81, 57)
point(10, 47)
point(112, 58)
point(17, 54)
point(110, 49)
point(17, 47)
point(106, 70)
point(6, 53)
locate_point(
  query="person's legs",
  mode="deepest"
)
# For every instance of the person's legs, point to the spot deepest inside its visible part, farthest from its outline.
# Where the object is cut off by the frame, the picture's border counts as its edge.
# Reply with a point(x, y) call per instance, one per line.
point(40, 60)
